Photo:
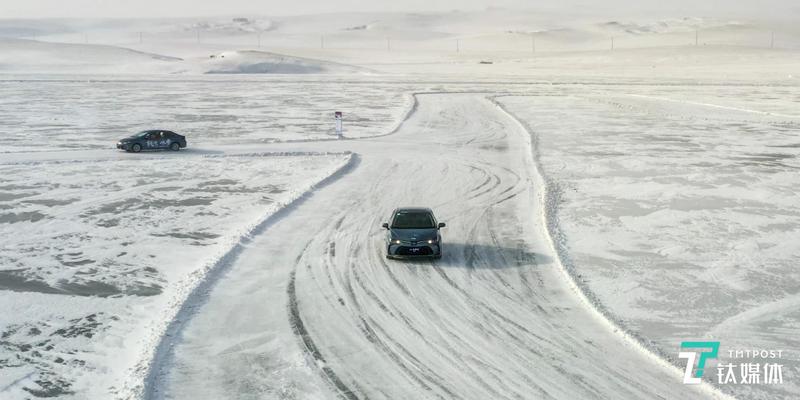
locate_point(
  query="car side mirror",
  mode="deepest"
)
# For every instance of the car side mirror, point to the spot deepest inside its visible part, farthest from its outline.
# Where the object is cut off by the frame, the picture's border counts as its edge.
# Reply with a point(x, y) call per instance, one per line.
point(385, 225)
point(442, 225)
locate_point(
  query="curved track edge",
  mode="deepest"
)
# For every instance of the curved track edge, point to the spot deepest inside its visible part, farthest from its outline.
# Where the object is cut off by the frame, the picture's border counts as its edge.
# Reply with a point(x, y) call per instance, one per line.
point(549, 199)
point(196, 292)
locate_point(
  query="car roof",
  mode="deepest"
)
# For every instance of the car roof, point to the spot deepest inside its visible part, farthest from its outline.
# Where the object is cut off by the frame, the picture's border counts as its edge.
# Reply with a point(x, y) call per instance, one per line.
point(399, 209)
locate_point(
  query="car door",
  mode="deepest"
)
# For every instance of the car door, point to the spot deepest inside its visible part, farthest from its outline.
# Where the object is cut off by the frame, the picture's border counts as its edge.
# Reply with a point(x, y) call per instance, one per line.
point(160, 142)
point(151, 140)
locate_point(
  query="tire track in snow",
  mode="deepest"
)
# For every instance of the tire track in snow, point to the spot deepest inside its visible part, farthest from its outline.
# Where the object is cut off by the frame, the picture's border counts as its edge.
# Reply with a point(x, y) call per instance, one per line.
point(299, 329)
point(480, 337)
point(197, 296)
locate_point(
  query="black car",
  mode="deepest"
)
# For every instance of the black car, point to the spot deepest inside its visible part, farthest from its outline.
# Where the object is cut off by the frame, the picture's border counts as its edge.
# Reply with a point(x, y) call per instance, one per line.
point(153, 140)
point(413, 232)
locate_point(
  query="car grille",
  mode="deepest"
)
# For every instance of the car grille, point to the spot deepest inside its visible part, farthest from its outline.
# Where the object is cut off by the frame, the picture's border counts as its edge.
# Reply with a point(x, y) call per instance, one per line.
point(406, 251)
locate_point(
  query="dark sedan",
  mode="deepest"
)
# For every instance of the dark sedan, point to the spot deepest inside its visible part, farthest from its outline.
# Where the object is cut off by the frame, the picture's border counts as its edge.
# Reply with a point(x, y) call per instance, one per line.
point(153, 140)
point(413, 232)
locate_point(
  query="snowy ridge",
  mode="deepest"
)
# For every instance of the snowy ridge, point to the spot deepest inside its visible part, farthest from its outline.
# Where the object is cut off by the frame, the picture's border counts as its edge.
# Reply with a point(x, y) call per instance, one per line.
point(191, 293)
point(670, 25)
point(229, 26)
point(550, 199)
point(411, 106)
point(26, 56)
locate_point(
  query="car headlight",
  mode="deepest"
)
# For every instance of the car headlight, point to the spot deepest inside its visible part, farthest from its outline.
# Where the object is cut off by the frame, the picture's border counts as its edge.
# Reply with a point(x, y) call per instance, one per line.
point(433, 241)
point(396, 241)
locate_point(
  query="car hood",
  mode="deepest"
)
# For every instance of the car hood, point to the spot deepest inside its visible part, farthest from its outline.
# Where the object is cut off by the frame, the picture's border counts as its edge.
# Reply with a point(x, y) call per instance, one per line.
point(128, 139)
point(414, 234)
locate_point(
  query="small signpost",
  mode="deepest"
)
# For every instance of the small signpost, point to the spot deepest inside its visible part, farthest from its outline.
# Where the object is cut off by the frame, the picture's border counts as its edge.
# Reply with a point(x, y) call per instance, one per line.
point(338, 117)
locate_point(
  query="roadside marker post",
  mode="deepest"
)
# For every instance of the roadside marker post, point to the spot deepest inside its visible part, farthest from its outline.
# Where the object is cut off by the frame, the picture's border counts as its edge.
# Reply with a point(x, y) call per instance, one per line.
point(338, 118)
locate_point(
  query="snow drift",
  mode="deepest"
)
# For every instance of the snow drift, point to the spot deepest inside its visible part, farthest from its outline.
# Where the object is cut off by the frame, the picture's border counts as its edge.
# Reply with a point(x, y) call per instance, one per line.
point(260, 62)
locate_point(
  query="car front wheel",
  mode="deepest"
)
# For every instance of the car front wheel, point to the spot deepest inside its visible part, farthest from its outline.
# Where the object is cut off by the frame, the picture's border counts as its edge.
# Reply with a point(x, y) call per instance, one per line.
point(175, 146)
point(136, 147)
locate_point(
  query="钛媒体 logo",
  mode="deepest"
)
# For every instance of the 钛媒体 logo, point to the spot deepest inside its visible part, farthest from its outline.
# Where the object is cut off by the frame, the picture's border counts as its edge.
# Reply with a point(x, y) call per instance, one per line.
point(752, 367)
point(706, 350)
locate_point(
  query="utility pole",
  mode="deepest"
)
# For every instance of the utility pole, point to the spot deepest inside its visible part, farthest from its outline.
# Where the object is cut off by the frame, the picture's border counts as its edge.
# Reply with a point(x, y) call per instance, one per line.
point(458, 46)
point(612, 43)
point(696, 37)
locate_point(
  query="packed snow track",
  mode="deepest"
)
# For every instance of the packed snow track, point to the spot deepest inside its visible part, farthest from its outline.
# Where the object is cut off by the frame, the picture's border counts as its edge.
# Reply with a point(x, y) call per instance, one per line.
point(311, 309)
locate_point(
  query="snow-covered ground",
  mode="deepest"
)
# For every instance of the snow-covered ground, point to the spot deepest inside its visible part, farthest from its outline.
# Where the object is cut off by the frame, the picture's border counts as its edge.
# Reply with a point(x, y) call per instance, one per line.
point(96, 111)
point(98, 254)
point(671, 168)
point(680, 210)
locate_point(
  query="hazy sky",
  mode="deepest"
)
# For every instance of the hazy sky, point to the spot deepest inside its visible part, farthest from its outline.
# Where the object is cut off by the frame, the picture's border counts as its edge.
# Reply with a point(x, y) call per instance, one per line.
point(190, 8)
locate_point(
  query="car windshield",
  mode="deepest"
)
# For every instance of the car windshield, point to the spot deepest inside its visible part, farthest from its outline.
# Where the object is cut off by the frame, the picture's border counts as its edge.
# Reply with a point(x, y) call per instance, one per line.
point(141, 134)
point(413, 220)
